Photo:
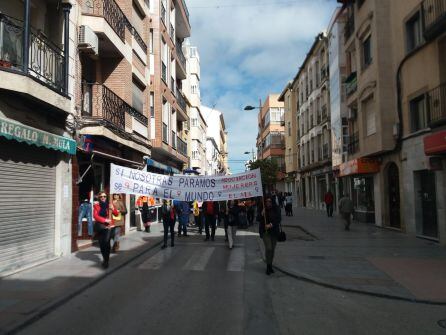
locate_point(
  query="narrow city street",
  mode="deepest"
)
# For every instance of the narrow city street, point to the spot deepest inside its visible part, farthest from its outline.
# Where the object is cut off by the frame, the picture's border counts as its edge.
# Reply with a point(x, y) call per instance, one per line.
point(201, 287)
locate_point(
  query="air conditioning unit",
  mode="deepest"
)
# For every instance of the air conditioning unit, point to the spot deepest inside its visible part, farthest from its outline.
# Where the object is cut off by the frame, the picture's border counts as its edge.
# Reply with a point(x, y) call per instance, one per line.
point(88, 40)
point(351, 114)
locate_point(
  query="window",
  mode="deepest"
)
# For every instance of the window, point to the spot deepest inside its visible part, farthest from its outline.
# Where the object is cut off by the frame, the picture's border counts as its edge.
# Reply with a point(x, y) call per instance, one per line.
point(194, 89)
point(367, 51)
point(289, 128)
point(414, 34)
point(152, 104)
point(151, 41)
point(368, 108)
point(418, 113)
point(194, 122)
point(138, 97)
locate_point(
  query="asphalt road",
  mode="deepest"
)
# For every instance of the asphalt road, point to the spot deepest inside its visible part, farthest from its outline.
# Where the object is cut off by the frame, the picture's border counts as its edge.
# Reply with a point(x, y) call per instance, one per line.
point(202, 287)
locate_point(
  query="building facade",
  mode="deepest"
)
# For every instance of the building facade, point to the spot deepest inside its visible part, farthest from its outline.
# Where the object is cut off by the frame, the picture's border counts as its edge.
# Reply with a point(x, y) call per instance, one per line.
point(312, 89)
point(197, 124)
point(216, 142)
point(271, 135)
point(36, 130)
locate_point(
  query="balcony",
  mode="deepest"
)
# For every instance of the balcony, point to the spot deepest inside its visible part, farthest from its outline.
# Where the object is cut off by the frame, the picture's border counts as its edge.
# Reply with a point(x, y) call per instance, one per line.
point(110, 11)
point(172, 85)
point(102, 104)
point(351, 84)
point(172, 33)
point(325, 153)
point(434, 16)
point(174, 139)
point(163, 14)
point(46, 60)
point(324, 73)
point(180, 99)
point(164, 72)
point(436, 105)
point(353, 143)
point(180, 55)
point(165, 134)
point(139, 40)
point(349, 27)
point(324, 113)
point(182, 147)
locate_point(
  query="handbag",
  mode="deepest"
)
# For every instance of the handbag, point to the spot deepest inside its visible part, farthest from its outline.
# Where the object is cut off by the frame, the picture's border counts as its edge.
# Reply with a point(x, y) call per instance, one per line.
point(282, 235)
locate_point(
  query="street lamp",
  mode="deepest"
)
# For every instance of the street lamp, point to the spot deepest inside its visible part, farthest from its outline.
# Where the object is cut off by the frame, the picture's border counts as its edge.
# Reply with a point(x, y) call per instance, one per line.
point(249, 108)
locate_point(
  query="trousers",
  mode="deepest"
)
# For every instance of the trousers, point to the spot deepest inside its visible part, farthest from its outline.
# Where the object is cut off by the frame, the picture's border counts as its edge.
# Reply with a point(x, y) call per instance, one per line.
point(85, 212)
point(210, 224)
point(329, 210)
point(270, 241)
point(232, 231)
point(104, 237)
point(169, 224)
point(182, 224)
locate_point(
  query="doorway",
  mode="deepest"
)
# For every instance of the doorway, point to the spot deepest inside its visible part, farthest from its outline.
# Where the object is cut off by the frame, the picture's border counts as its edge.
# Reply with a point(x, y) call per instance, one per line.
point(428, 200)
point(393, 193)
point(304, 195)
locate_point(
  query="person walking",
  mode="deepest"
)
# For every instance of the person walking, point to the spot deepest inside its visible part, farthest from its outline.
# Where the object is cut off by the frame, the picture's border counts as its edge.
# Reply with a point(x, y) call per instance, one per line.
point(233, 221)
point(250, 211)
point(104, 225)
point(328, 199)
point(168, 215)
point(196, 214)
point(210, 209)
point(223, 216)
point(119, 220)
point(145, 214)
point(346, 210)
point(182, 210)
point(269, 229)
point(289, 204)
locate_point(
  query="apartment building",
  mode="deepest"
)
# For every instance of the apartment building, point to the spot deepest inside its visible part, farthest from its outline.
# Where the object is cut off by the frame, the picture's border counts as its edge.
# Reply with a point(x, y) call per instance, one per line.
point(418, 182)
point(312, 98)
point(289, 98)
point(197, 124)
point(36, 128)
point(216, 142)
point(271, 138)
point(169, 27)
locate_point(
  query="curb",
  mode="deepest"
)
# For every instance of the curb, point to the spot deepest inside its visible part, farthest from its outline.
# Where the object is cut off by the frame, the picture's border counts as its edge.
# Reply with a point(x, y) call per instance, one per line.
point(309, 279)
point(52, 306)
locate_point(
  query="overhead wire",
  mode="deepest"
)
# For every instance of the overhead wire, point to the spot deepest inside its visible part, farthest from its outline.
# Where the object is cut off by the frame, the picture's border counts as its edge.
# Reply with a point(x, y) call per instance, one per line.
point(254, 4)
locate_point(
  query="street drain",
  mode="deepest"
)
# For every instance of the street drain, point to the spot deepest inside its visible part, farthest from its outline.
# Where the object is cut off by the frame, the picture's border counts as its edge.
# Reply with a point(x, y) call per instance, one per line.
point(442, 323)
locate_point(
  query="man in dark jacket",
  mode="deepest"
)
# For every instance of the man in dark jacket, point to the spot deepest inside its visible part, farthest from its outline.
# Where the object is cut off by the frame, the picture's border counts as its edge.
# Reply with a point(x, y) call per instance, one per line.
point(269, 229)
point(210, 209)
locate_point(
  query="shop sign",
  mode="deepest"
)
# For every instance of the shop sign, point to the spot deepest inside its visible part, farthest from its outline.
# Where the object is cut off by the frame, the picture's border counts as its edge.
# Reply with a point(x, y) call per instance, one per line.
point(358, 166)
point(185, 187)
point(15, 131)
point(435, 144)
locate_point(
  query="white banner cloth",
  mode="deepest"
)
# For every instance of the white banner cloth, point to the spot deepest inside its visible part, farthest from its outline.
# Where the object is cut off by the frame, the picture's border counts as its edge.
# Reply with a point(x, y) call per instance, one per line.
point(185, 188)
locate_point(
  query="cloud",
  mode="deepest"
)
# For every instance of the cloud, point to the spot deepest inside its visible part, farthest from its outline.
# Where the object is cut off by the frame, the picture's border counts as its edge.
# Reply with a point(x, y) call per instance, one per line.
point(249, 49)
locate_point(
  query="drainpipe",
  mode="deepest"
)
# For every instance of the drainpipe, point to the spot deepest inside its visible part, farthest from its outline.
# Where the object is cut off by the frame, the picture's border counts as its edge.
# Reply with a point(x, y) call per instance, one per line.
point(66, 7)
point(26, 34)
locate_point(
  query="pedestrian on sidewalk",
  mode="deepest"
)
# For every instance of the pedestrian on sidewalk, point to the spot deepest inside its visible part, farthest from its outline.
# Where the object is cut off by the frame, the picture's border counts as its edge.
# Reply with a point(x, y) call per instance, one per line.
point(119, 220)
point(104, 224)
point(289, 204)
point(210, 209)
point(269, 229)
point(328, 199)
point(233, 221)
point(168, 215)
point(346, 210)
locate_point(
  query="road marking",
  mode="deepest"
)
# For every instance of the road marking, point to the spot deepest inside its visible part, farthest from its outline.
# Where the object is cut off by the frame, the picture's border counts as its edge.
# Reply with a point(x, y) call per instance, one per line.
point(156, 261)
point(236, 261)
point(199, 259)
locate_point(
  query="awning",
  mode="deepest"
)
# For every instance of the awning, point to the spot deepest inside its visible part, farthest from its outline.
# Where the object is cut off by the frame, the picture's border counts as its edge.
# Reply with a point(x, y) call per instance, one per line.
point(358, 166)
point(161, 166)
point(29, 135)
point(435, 144)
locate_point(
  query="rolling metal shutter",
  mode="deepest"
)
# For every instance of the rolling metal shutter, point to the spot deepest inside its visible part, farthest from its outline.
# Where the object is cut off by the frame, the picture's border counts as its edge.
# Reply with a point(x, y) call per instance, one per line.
point(27, 205)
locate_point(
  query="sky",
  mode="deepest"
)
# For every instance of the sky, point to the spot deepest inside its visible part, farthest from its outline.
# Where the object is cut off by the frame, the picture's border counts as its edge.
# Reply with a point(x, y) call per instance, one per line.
point(249, 49)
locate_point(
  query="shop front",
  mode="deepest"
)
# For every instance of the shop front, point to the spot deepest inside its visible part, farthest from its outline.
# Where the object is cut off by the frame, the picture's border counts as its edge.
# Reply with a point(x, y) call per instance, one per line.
point(34, 184)
point(357, 179)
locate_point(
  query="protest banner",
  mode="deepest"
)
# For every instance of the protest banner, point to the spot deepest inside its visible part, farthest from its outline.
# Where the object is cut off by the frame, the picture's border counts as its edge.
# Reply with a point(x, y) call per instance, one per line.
point(185, 187)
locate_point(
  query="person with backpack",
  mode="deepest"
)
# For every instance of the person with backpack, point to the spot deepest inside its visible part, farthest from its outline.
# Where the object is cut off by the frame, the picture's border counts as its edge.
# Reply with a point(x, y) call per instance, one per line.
point(168, 215)
point(210, 209)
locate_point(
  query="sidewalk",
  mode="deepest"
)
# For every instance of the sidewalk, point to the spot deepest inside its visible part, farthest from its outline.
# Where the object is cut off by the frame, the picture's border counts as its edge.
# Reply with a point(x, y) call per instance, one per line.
point(367, 258)
point(30, 294)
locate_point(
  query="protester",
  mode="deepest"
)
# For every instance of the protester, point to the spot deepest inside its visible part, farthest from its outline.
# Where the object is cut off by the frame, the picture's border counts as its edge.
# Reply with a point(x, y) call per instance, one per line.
point(104, 224)
point(289, 204)
point(250, 211)
point(182, 211)
point(233, 221)
point(145, 214)
point(210, 209)
point(196, 214)
point(281, 198)
point(119, 220)
point(269, 229)
point(328, 199)
point(346, 210)
point(168, 215)
point(223, 216)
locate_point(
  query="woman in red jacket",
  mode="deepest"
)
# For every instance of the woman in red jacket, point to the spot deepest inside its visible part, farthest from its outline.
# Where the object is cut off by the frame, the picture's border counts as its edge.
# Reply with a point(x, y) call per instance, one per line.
point(104, 225)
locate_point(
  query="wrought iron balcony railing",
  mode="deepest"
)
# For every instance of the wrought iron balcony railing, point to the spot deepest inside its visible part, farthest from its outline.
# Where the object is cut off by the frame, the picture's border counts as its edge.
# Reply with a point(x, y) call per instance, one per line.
point(163, 14)
point(46, 60)
point(436, 105)
point(174, 140)
point(110, 11)
point(351, 84)
point(164, 72)
point(180, 99)
point(434, 17)
point(101, 103)
point(353, 143)
point(180, 54)
point(182, 147)
point(172, 33)
point(139, 39)
point(165, 134)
